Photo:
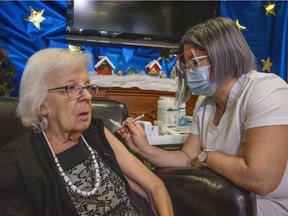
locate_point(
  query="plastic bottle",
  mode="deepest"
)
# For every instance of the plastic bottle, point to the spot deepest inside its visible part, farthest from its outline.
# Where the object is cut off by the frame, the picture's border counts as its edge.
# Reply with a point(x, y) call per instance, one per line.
point(167, 113)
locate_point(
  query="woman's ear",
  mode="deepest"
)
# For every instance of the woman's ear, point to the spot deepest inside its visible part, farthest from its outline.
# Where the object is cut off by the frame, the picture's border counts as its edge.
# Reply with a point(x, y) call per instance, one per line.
point(43, 109)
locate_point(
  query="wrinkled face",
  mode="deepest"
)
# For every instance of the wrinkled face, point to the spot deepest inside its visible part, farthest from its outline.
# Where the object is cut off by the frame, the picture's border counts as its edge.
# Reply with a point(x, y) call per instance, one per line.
point(66, 114)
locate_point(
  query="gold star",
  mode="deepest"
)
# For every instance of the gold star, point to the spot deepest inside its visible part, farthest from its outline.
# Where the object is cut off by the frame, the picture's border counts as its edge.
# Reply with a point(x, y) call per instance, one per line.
point(266, 64)
point(36, 17)
point(74, 48)
point(269, 8)
point(240, 27)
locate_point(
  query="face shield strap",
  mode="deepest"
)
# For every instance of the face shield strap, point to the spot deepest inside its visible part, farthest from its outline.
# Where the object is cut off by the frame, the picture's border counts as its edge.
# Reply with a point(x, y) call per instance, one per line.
point(196, 58)
point(183, 64)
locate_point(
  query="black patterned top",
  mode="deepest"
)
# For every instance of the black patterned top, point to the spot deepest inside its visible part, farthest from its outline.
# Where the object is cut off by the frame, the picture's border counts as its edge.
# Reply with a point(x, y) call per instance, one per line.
point(111, 197)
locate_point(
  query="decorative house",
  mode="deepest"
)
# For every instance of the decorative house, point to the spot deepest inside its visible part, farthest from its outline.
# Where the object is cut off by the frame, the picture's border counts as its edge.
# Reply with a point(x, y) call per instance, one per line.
point(104, 66)
point(153, 67)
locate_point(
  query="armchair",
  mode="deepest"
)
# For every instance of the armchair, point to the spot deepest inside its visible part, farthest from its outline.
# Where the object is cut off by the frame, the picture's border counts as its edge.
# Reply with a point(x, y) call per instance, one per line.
point(202, 192)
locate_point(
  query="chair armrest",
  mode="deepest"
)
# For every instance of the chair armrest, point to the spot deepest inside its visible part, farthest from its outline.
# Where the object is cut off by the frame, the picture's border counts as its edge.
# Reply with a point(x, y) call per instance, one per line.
point(202, 192)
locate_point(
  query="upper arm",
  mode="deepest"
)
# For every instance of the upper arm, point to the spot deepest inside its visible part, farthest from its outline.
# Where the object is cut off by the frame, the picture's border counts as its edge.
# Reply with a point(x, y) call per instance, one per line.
point(267, 149)
point(130, 165)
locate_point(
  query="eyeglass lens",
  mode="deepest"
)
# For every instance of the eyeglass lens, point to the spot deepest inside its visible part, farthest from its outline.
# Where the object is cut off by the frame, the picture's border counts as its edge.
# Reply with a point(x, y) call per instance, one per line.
point(75, 91)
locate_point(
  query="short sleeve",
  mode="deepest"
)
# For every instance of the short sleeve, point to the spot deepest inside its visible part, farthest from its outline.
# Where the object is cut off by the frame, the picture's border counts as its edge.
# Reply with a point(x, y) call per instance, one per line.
point(267, 103)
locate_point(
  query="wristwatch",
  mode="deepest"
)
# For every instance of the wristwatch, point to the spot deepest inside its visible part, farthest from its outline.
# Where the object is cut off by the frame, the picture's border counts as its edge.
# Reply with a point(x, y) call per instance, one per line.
point(202, 157)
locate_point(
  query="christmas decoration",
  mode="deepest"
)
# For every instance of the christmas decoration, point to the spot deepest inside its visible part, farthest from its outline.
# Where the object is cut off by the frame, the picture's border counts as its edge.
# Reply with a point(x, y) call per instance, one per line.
point(165, 54)
point(240, 27)
point(104, 66)
point(161, 74)
point(153, 67)
point(132, 71)
point(119, 73)
point(36, 17)
point(266, 64)
point(269, 8)
point(74, 48)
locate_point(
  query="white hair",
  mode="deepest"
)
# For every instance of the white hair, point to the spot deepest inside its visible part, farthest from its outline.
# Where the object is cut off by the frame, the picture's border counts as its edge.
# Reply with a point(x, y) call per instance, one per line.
point(42, 66)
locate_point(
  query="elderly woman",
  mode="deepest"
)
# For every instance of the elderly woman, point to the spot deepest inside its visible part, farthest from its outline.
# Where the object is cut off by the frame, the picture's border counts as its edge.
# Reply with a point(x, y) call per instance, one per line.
point(240, 121)
point(70, 164)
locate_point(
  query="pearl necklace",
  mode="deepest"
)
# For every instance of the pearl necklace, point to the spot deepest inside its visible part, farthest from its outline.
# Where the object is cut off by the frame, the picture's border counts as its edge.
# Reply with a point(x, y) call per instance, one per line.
point(66, 178)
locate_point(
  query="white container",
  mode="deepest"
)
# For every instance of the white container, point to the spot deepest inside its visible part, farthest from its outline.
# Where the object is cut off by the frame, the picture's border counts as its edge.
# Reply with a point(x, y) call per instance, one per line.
point(182, 115)
point(167, 113)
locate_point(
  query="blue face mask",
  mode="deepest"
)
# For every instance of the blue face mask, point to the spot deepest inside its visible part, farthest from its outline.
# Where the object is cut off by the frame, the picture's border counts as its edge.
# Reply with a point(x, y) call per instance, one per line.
point(198, 81)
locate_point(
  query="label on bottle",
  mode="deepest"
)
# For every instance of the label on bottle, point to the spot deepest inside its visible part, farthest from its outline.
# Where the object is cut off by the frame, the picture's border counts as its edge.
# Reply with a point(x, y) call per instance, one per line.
point(167, 113)
point(182, 115)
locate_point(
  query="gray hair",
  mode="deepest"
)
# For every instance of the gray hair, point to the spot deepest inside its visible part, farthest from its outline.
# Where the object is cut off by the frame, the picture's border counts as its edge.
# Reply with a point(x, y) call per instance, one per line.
point(41, 66)
point(227, 50)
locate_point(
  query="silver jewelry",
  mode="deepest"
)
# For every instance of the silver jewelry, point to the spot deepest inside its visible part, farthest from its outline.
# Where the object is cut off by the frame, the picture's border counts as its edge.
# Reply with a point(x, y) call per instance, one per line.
point(66, 178)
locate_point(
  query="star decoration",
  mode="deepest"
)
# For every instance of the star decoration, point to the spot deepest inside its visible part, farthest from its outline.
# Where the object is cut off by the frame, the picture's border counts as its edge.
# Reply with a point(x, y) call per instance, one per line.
point(74, 48)
point(165, 54)
point(266, 64)
point(270, 9)
point(36, 17)
point(240, 27)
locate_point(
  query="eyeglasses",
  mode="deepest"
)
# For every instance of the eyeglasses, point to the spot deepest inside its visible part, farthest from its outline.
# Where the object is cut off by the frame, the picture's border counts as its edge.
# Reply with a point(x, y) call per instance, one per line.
point(76, 91)
point(188, 62)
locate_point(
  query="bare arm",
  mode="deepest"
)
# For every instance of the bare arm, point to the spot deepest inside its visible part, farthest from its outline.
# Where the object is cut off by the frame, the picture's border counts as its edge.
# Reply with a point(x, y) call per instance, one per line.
point(262, 167)
point(139, 173)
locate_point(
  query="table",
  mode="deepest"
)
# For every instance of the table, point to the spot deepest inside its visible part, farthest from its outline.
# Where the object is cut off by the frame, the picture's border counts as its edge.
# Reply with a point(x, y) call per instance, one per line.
point(175, 139)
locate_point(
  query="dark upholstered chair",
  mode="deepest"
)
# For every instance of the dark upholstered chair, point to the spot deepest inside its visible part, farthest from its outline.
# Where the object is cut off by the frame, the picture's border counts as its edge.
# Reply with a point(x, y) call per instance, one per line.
point(202, 192)
point(11, 127)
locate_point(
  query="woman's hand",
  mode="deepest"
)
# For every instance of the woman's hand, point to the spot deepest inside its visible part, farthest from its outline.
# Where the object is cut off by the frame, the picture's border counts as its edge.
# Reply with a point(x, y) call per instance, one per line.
point(134, 135)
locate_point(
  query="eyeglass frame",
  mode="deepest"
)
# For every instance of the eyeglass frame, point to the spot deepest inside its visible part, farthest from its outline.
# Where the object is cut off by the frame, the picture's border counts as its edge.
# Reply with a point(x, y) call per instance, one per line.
point(196, 58)
point(66, 87)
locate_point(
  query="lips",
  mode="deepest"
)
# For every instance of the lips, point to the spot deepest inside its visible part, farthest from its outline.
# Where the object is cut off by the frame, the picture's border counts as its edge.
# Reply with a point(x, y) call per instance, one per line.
point(84, 115)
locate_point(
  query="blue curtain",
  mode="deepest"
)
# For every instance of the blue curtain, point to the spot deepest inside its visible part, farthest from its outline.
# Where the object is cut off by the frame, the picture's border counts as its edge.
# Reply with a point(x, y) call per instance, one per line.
point(265, 32)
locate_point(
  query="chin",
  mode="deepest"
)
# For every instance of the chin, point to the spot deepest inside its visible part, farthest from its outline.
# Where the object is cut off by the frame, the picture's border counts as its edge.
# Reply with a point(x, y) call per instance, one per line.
point(83, 124)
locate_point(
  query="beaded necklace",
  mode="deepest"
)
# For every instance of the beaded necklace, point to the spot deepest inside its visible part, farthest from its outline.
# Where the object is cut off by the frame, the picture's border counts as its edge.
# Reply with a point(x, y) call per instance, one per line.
point(73, 187)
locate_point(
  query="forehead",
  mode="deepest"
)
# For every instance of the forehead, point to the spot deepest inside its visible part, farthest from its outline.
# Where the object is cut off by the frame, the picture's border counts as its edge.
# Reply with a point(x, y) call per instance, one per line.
point(70, 77)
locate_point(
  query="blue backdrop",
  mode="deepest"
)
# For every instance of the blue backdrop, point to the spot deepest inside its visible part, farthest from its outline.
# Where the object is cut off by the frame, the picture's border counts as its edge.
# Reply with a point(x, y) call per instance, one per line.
point(264, 26)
